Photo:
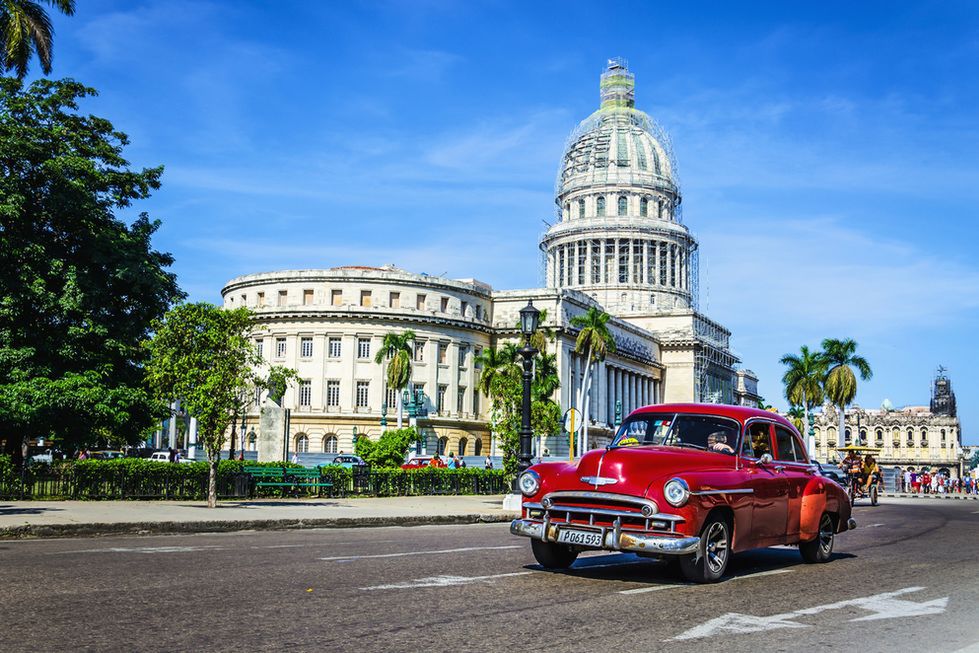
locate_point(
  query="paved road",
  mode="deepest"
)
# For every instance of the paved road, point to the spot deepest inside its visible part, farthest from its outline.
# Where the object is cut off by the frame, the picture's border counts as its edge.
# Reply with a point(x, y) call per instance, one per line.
point(906, 580)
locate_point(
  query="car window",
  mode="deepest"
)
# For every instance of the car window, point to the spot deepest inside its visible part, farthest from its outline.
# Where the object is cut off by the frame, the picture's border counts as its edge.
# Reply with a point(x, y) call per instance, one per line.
point(708, 432)
point(787, 446)
point(757, 441)
point(788, 440)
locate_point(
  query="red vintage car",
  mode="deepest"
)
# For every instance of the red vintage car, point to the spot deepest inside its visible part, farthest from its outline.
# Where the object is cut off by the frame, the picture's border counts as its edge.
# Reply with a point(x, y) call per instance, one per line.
point(695, 481)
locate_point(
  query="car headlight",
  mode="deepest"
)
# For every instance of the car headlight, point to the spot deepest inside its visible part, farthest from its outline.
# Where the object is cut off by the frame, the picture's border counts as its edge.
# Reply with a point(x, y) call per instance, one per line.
point(676, 492)
point(529, 483)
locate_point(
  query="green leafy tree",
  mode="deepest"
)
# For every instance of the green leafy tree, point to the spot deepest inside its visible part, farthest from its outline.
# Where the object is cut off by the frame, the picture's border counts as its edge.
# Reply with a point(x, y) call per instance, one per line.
point(841, 381)
point(796, 414)
point(804, 379)
point(204, 356)
point(79, 287)
point(396, 349)
point(596, 342)
point(26, 29)
point(389, 450)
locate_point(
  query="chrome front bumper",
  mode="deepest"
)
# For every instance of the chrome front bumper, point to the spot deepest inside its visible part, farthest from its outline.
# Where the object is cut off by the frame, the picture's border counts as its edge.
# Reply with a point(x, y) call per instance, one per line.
point(614, 539)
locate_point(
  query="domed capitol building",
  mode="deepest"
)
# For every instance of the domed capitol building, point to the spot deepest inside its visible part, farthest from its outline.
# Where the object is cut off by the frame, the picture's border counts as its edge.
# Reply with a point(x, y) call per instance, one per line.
point(618, 243)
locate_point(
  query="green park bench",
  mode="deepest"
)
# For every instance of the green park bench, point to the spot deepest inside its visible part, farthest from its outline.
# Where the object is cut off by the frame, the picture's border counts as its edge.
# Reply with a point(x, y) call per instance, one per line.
point(293, 478)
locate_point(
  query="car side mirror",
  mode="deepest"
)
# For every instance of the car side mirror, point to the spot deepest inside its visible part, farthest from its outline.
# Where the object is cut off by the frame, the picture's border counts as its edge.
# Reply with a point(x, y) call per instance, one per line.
point(765, 459)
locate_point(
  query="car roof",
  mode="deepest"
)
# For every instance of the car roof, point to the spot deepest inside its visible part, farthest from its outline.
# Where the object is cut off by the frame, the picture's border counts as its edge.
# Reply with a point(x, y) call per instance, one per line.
point(740, 413)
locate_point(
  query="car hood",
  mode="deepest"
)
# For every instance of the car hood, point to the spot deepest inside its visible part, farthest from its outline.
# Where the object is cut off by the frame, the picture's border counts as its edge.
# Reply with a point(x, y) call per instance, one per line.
point(636, 470)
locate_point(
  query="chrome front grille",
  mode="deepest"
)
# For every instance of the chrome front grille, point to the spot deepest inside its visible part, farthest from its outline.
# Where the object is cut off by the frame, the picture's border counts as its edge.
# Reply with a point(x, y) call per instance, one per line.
point(601, 510)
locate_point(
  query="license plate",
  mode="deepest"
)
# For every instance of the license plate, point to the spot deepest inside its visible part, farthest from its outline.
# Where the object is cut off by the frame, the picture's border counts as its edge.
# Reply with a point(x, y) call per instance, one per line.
point(582, 538)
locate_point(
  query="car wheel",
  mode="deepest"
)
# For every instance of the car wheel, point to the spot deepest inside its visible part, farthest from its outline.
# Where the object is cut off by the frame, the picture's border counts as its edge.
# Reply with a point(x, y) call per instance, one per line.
point(820, 548)
point(553, 556)
point(873, 495)
point(710, 563)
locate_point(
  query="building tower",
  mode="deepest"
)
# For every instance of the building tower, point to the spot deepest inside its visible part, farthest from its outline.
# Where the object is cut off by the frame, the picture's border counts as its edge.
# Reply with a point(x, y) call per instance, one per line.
point(942, 397)
point(619, 236)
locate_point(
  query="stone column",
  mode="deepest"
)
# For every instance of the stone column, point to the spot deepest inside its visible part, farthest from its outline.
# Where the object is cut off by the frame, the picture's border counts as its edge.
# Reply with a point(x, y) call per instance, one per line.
point(588, 261)
point(615, 263)
point(630, 271)
point(645, 262)
point(656, 263)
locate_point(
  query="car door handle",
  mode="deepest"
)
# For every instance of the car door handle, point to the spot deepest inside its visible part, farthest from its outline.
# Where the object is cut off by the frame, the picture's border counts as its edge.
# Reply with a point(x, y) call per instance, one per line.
point(779, 468)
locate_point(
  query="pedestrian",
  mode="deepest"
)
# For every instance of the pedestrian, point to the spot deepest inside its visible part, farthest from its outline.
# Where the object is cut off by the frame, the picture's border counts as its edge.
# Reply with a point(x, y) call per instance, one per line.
point(452, 461)
point(295, 457)
point(462, 462)
point(907, 479)
point(176, 455)
point(170, 454)
point(488, 463)
point(83, 454)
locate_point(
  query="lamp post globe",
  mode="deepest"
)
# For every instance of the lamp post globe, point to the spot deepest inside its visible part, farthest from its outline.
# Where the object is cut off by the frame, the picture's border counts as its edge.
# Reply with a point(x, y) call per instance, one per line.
point(529, 317)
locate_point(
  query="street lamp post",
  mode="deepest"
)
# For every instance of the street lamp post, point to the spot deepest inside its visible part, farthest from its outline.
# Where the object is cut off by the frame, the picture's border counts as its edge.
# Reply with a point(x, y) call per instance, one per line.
point(529, 317)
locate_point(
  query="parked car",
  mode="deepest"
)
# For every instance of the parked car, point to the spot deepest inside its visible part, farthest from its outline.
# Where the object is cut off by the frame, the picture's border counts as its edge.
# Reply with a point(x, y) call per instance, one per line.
point(417, 462)
point(832, 471)
point(41, 455)
point(347, 460)
point(107, 455)
point(696, 481)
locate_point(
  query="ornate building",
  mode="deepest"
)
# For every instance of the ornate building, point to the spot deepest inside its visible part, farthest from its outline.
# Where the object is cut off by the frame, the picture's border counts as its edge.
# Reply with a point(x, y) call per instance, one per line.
point(618, 244)
point(919, 436)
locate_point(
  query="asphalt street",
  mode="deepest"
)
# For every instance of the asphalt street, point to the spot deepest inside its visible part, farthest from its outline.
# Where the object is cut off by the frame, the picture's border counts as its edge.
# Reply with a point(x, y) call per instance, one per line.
point(906, 580)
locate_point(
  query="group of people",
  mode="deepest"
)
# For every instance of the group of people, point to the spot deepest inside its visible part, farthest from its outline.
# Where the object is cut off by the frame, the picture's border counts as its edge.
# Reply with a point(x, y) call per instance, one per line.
point(451, 461)
point(924, 482)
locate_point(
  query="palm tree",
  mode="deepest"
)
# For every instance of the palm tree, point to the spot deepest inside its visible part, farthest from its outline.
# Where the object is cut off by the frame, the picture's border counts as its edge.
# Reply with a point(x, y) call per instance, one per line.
point(397, 349)
point(595, 339)
point(841, 382)
point(804, 379)
point(796, 414)
point(495, 366)
point(25, 29)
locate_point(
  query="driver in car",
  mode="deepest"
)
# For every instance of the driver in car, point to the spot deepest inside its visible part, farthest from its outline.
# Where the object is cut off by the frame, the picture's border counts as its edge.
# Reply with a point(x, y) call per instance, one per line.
point(718, 442)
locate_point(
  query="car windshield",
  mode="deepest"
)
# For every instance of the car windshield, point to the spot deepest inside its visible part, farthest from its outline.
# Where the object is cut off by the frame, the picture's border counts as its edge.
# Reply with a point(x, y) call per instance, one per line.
point(707, 432)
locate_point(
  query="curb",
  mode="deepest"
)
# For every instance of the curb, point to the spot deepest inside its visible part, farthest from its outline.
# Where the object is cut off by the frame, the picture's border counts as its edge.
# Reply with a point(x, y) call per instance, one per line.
point(947, 497)
point(31, 531)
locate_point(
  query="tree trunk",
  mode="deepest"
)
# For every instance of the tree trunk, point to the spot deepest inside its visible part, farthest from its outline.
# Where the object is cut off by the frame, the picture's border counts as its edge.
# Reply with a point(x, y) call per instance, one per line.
point(842, 435)
point(581, 403)
point(212, 483)
point(805, 422)
point(399, 408)
point(585, 413)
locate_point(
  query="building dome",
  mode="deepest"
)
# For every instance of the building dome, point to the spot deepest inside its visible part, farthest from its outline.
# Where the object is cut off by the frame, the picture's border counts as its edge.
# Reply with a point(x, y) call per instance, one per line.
point(617, 145)
point(619, 236)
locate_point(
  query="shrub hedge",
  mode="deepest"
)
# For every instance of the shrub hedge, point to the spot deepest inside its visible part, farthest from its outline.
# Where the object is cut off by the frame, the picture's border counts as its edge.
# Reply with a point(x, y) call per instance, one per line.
point(137, 478)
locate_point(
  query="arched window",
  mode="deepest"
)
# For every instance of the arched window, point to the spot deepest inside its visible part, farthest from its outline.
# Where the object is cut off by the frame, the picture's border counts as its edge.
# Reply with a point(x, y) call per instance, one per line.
point(643, 207)
point(252, 442)
point(330, 444)
point(302, 443)
point(623, 205)
point(924, 438)
point(943, 437)
point(581, 208)
point(831, 437)
point(863, 436)
point(896, 437)
point(910, 437)
point(477, 447)
point(880, 437)
point(442, 444)
point(600, 206)
point(847, 436)
point(462, 446)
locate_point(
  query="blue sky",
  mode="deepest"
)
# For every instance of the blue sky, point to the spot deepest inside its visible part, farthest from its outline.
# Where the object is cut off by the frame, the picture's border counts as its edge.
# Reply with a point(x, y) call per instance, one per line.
point(827, 154)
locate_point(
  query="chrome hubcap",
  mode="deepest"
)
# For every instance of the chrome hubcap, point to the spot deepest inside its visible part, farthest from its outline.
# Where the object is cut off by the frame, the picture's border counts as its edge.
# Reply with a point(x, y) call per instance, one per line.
point(715, 546)
point(826, 534)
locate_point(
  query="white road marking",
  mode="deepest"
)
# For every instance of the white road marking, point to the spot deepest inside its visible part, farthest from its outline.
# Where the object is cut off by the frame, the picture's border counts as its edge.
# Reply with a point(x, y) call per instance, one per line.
point(420, 553)
point(871, 526)
point(444, 581)
point(657, 588)
point(148, 549)
point(883, 606)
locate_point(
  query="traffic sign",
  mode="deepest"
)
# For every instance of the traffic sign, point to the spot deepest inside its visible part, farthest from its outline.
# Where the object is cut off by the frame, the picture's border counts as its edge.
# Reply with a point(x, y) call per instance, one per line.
point(572, 420)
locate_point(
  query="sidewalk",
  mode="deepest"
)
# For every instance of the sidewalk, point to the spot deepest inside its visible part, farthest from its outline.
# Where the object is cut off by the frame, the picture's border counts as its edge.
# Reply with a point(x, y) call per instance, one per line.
point(27, 519)
point(911, 495)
